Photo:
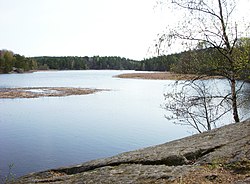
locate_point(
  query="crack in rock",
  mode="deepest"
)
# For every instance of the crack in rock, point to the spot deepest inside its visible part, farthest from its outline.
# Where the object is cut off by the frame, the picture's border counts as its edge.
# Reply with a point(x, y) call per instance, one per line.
point(173, 160)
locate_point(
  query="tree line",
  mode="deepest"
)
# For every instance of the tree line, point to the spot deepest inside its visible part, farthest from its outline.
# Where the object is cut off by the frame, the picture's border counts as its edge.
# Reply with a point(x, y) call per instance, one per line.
point(159, 63)
point(84, 63)
point(211, 61)
point(10, 62)
point(201, 60)
point(204, 60)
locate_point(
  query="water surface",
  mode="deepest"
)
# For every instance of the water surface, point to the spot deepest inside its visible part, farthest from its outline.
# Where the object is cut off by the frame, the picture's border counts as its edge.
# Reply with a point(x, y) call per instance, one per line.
point(49, 132)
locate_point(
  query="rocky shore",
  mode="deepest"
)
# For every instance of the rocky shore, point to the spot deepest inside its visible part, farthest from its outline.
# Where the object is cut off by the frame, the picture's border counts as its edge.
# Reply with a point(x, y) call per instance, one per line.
point(219, 156)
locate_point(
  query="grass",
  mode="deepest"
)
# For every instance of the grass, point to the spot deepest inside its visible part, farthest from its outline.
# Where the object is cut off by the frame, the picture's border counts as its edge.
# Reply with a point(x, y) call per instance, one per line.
point(10, 177)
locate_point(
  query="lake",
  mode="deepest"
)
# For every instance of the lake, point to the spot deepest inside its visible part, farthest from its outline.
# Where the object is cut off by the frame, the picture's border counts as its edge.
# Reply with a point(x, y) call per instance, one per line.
point(50, 132)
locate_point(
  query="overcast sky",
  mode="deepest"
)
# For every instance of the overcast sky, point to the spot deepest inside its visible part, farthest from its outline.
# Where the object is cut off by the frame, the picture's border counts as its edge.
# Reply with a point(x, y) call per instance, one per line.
point(82, 27)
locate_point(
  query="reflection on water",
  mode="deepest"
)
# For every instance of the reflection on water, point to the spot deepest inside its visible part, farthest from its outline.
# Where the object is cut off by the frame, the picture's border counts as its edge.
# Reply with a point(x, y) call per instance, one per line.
point(49, 132)
point(244, 97)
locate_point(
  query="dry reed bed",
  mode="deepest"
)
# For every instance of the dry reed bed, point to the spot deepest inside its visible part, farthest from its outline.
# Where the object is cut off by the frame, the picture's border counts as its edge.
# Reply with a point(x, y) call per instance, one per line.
point(163, 76)
point(36, 92)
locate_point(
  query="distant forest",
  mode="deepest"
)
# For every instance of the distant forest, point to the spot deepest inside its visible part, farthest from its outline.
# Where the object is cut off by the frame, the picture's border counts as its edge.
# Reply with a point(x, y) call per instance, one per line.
point(85, 63)
point(10, 62)
point(199, 61)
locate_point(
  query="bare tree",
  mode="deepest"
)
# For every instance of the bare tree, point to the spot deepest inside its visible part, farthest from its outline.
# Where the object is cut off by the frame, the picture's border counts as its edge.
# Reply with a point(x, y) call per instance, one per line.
point(194, 103)
point(210, 22)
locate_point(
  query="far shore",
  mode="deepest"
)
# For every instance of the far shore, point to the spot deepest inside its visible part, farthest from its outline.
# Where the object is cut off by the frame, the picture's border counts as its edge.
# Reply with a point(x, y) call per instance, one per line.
point(145, 75)
point(165, 76)
point(30, 71)
point(36, 92)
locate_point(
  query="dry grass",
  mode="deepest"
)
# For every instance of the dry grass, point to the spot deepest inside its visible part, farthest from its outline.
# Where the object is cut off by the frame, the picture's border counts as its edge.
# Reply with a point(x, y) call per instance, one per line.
point(206, 175)
point(37, 92)
point(163, 76)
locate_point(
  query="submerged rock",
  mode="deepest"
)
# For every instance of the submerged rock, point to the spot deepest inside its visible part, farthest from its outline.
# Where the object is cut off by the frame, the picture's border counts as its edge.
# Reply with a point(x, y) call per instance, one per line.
point(219, 156)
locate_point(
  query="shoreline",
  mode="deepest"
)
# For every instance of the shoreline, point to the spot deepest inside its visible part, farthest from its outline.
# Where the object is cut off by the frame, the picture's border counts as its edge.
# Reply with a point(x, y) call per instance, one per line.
point(144, 75)
point(30, 71)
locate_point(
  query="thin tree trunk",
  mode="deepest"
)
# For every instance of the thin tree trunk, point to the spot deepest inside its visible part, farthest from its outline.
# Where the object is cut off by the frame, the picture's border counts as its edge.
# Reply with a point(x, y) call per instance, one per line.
point(223, 26)
point(234, 101)
point(229, 53)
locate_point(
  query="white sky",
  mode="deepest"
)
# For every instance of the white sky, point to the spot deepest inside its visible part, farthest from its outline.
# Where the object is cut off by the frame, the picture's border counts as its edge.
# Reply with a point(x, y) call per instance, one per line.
point(124, 28)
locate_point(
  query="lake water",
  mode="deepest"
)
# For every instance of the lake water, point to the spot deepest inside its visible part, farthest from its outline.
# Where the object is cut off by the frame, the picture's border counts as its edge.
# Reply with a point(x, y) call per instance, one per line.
point(50, 132)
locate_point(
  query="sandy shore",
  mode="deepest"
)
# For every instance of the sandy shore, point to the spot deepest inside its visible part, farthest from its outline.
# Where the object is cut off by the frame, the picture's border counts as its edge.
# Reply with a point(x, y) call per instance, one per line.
point(36, 92)
point(163, 76)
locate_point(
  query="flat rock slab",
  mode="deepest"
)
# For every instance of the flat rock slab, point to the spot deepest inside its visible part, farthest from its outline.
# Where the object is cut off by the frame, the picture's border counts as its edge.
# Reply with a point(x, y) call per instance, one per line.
point(36, 92)
point(219, 156)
